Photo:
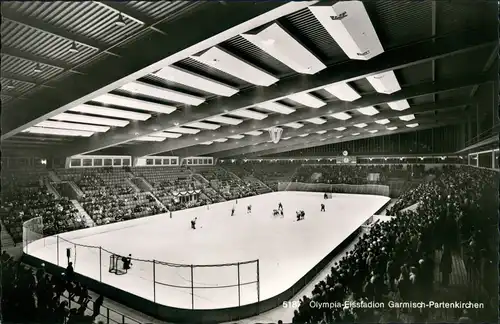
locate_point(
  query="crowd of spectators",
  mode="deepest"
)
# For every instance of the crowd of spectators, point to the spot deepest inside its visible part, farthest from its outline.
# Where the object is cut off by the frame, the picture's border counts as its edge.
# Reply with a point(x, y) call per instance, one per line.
point(395, 260)
point(33, 296)
point(229, 186)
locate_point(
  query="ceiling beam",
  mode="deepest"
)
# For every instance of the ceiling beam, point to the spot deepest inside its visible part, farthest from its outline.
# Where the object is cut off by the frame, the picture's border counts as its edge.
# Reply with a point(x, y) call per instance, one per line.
point(306, 113)
point(352, 70)
point(20, 78)
point(146, 55)
point(302, 143)
point(441, 107)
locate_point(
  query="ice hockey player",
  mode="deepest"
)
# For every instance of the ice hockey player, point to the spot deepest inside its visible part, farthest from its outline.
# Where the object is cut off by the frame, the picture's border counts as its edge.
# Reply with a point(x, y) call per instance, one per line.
point(280, 206)
point(322, 207)
point(249, 209)
point(325, 196)
point(300, 215)
point(232, 211)
point(193, 223)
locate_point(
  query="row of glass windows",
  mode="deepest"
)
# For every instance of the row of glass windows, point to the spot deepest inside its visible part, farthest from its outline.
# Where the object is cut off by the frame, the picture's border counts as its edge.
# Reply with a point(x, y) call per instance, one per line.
point(99, 162)
point(199, 161)
point(161, 161)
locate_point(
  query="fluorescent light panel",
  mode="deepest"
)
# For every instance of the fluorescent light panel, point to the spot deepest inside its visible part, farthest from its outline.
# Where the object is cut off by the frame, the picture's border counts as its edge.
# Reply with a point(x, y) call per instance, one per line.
point(360, 125)
point(207, 143)
point(150, 139)
point(407, 117)
point(355, 134)
point(225, 120)
point(162, 93)
point(112, 99)
point(236, 136)
point(343, 91)
point(339, 136)
point(373, 131)
point(91, 120)
point(286, 138)
point(73, 126)
point(384, 82)
point(307, 100)
point(317, 120)
point(203, 125)
point(281, 45)
point(352, 30)
point(340, 128)
point(276, 107)
point(392, 128)
point(321, 132)
point(221, 140)
point(341, 116)
point(294, 125)
point(412, 125)
point(194, 80)
point(383, 121)
point(254, 133)
point(249, 114)
point(110, 112)
point(368, 111)
point(166, 135)
point(58, 131)
point(227, 63)
point(184, 130)
point(304, 135)
point(399, 105)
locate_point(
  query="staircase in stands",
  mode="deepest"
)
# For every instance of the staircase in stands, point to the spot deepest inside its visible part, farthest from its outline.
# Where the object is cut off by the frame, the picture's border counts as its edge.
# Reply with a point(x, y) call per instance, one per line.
point(53, 177)
point(7, 240)
point(88, 220)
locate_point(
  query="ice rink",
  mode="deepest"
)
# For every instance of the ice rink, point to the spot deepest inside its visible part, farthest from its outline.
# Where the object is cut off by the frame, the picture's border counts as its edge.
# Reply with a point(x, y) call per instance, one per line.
point(286, 249)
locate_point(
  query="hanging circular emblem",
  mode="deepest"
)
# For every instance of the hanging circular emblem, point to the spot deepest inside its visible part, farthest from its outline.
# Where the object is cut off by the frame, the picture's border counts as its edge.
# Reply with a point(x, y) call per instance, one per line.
point(345, 153)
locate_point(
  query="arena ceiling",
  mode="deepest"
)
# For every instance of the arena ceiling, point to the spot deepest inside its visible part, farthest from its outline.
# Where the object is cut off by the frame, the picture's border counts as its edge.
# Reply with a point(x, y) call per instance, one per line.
point(161, 78)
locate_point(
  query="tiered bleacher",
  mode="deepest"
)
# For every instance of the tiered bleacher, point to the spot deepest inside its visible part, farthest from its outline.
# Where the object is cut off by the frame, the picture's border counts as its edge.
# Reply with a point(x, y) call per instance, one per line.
point(396, 260)
point(108, 197)
point(271, 173)
point(228, 185)
point(252, 182)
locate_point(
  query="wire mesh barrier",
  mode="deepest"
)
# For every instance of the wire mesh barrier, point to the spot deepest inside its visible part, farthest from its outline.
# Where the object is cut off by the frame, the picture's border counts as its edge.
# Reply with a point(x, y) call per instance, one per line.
point(187, 286)
point(370, 189)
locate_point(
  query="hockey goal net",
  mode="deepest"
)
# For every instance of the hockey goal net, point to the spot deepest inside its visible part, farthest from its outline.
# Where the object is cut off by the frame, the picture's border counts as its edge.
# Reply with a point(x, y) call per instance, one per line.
point(116, 265)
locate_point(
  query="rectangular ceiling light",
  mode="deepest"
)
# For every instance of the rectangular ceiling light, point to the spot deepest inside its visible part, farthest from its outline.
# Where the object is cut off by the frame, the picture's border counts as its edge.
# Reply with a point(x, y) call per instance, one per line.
point(321, 132)
point(207, 143)
point(317, 120)
point(341, 116)
point(304, 135)
point(73, 126)
point(112, 99)
point(343, 91)
point(196, 81)
point(384, 82)
point(307, 100)
point(407, 117)
point(349, 25)
point(368, 111)
point(399, 105)
point(412, 125)
point(166, 135)
point(58, 131)
point(361, 125)
point(225, 120)
point(110, 112)
point(286, 138)
point(339, 136)
point(282, 46)
point(373, 131)
point(294, 125)
point(221, 140)
point(254, 133)
point(392, 128)
point(236, 136)
point(184, 130)
point(162, 93)
point(203, 125)
point(224, 61)
point(150, 139)
point(276, 107)
point(383, 121)
point(340, 128)
point(355, 134)
point(249, 114)
point(91, 120)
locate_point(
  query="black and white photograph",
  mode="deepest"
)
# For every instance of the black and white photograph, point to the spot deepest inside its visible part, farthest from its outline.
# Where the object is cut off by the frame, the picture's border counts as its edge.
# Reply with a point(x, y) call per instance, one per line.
point(250, 162)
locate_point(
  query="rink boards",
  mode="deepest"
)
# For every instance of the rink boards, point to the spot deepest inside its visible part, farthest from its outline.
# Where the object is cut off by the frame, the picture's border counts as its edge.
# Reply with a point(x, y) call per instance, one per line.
point(288, 254)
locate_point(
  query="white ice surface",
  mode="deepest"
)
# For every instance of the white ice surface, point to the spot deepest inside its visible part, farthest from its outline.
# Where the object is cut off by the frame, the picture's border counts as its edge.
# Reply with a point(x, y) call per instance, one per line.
point(286, 249)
